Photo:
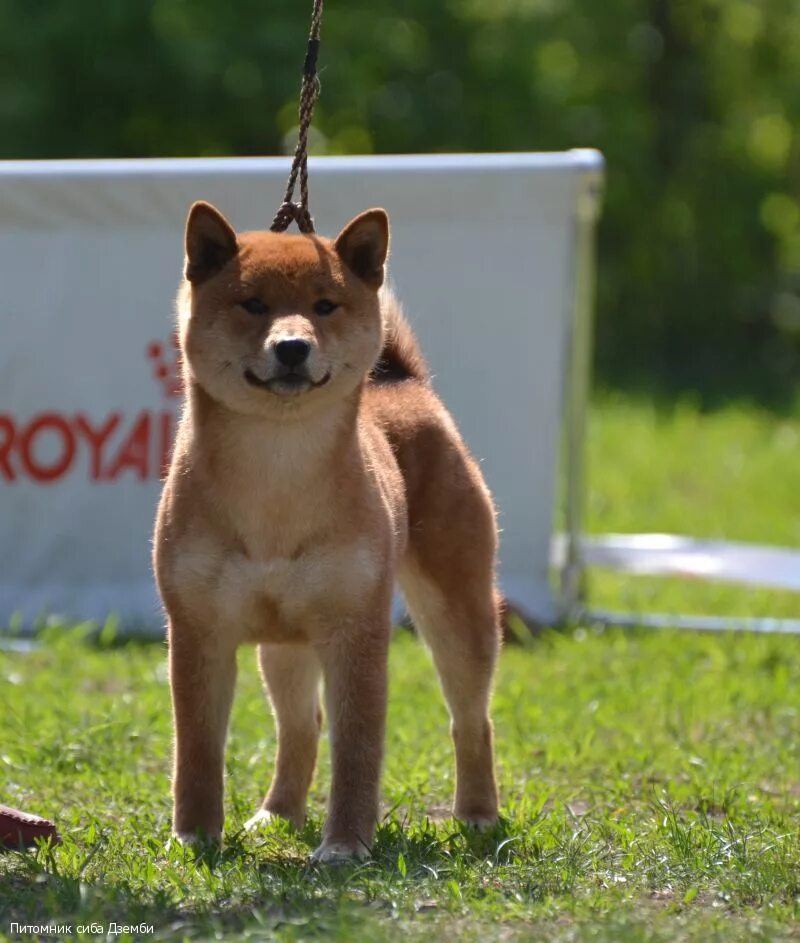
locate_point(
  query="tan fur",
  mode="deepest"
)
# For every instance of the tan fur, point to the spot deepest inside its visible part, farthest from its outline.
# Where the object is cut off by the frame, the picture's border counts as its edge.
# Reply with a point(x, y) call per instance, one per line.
point(298, 494)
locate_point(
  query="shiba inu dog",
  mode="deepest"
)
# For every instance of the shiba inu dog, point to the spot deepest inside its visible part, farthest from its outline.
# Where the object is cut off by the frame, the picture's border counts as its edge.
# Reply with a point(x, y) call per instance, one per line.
point(314, 467)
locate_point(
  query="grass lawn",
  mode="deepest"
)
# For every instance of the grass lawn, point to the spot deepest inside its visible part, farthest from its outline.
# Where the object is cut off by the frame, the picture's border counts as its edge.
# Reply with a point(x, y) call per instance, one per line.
point(731, 474)
point(650, 781)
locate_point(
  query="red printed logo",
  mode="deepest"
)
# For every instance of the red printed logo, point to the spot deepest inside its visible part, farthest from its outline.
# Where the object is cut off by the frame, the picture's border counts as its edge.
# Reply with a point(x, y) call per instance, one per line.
point(53, 445)
point(166, 360)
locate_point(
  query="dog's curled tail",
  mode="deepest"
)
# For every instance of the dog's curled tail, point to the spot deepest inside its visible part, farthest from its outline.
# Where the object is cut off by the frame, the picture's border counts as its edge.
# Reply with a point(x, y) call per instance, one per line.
point(400, 357)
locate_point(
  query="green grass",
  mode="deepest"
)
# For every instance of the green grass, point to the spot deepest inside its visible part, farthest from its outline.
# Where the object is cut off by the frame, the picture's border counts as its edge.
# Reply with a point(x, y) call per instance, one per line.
point(650, 781)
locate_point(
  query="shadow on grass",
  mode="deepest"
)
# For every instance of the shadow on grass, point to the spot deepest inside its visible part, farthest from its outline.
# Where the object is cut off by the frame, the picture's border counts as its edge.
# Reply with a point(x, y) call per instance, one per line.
point(265, 882)
point(35, 893)
point(710, 389)
point(715, 363)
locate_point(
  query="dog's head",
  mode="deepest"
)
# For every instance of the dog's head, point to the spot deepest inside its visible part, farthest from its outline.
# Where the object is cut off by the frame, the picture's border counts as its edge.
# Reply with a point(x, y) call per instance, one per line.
point(275, 324)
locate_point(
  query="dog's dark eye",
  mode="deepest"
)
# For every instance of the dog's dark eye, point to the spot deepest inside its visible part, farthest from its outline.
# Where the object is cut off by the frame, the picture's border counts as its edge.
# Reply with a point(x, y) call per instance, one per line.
point(325, 307)
point(254, 306)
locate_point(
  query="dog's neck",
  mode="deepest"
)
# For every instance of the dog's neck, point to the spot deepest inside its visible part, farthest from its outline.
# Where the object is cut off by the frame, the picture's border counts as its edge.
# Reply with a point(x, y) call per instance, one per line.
point(301, 446)
point(270, 484)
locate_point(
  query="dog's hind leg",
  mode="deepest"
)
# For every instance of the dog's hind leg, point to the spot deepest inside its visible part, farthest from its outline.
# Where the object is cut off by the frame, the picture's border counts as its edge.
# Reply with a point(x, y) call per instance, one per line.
point(459, 621)
point(292, 678)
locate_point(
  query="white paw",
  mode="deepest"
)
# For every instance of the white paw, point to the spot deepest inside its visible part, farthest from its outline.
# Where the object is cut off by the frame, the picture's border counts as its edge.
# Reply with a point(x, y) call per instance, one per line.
point(339, 852)
point(262, 817)
point(196, 840)
point(481, 823)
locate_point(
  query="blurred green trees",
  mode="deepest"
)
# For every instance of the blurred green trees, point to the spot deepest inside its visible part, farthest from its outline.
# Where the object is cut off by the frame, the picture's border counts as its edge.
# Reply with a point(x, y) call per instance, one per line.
point(695, 104)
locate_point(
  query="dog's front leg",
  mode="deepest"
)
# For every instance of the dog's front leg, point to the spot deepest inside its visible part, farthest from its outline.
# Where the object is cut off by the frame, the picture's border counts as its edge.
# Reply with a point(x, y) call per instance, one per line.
point(354, 664)
point(202, 673)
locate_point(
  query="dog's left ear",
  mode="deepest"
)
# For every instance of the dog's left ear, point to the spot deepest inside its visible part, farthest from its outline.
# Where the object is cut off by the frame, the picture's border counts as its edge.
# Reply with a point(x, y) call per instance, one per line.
point(363, 245)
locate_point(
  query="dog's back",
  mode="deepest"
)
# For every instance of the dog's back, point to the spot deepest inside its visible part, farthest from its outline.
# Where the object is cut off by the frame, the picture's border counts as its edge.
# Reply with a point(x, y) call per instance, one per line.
point(445, 490)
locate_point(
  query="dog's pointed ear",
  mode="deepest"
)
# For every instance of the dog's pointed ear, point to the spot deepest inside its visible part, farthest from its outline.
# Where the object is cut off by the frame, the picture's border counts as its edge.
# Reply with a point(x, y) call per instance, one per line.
point(363, 245)
point(210, 242)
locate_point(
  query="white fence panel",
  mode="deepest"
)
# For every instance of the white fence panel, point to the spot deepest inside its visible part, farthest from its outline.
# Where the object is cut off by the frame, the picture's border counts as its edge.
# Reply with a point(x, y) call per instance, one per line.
point(90, 256)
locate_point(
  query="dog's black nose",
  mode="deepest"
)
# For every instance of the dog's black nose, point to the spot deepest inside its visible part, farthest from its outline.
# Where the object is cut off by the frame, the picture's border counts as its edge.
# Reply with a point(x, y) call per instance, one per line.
point(292, 352)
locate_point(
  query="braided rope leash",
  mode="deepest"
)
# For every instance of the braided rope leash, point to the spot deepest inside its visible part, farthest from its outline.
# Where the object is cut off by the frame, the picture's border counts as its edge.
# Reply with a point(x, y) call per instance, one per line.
point(309, 92)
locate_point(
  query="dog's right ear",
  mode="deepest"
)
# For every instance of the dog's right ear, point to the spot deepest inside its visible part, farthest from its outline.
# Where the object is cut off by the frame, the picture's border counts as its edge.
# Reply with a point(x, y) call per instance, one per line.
point(210, 242)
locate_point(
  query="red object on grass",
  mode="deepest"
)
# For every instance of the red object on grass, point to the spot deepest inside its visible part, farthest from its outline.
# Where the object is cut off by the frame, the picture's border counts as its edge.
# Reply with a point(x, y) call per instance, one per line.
point(22, 829)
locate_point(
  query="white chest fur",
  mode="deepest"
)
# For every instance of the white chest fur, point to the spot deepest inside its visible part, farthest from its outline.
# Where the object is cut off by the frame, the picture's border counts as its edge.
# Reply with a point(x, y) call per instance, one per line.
point(296, 531)
point(263, 600)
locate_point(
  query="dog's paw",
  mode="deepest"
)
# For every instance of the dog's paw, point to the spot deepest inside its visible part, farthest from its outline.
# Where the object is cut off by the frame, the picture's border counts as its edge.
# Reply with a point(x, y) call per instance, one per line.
point(340, 852)
point(197, 841)
point(481, 823)
point(260, 819)
point(264, 817)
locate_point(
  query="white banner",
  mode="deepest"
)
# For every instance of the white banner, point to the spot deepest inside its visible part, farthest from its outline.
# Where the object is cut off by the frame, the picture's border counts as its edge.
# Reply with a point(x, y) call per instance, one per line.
point(91, 254)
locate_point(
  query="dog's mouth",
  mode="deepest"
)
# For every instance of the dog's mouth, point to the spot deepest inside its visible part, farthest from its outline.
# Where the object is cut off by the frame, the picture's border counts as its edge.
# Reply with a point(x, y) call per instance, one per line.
point(289, 383)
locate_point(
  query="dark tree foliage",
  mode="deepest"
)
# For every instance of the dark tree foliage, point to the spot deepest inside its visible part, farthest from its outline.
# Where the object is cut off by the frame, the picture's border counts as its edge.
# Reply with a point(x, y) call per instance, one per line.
point(695, 104)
